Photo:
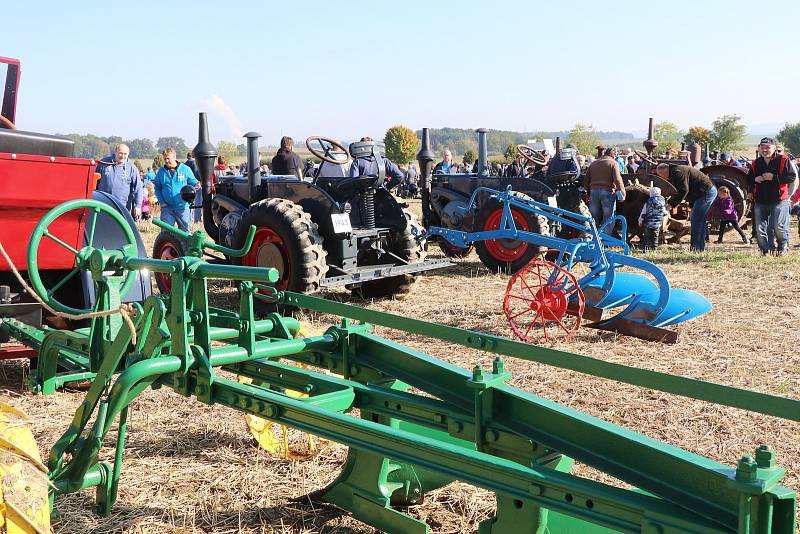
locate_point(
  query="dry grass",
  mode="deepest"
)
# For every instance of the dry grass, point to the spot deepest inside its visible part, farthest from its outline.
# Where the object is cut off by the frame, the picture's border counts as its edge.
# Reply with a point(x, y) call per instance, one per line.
point(193, 468)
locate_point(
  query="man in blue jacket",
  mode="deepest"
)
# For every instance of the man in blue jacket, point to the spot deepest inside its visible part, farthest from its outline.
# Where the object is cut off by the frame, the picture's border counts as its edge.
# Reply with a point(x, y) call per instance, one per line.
point(120, 179)
point(168, 183)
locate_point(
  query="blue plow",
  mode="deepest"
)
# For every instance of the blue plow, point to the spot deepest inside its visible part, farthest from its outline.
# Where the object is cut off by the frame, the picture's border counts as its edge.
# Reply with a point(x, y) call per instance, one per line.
point(581, 277)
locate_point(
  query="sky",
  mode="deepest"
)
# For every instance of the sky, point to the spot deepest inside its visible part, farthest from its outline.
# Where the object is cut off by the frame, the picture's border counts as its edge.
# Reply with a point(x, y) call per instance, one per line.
point(345, 69)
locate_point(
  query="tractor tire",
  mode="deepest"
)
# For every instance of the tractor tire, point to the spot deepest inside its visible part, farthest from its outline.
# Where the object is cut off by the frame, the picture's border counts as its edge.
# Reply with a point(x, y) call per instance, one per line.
point(403, 244)
point(286, 239)
point(452, 251)
point(508, 255)
point(167, 246)
point(24, 505)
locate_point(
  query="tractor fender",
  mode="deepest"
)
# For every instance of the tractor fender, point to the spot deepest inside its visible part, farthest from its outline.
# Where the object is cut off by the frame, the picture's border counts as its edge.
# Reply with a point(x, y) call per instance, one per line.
point(108, 236)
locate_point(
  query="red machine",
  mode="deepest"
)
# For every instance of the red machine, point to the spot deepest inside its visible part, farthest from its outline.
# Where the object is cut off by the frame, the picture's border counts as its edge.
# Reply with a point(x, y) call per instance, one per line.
point(38, 172)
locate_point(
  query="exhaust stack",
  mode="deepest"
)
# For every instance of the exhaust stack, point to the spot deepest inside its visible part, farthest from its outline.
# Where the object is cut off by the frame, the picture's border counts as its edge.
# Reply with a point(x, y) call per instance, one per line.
point(425, 159)
point(253, 167)
point(205, 155)
point(483, 167)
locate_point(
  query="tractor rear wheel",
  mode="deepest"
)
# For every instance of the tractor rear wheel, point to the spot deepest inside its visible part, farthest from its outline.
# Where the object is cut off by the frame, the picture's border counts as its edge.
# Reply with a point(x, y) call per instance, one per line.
point(452, 251)
point(286, 239)
point(167, 246)
point(402, 244)
point(508, 255)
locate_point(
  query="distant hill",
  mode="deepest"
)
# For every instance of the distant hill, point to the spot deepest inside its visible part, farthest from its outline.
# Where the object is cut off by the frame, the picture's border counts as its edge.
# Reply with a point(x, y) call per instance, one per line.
point(459, 140)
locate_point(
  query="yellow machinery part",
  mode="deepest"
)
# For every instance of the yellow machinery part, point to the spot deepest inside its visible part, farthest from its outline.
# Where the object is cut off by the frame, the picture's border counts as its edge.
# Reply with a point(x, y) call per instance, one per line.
point(264, 430)
point(24, 505)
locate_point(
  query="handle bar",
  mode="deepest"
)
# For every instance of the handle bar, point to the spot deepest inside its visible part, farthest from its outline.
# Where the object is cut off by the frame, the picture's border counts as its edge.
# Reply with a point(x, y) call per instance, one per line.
point(236, 253)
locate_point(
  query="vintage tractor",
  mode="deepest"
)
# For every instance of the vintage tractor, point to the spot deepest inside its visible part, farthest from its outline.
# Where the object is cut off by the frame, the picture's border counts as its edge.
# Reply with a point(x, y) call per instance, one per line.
point(444, 197)
point(37, 172)
point(413, 423)
point(348, 232)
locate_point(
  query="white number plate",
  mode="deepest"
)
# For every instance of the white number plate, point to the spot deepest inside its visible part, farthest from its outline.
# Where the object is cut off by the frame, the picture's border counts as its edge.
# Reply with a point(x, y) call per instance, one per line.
point(552, 202)
point(341, 223)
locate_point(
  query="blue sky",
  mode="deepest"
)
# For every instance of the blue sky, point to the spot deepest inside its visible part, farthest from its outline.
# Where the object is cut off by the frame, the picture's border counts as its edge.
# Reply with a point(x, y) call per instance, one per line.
point(345, 69)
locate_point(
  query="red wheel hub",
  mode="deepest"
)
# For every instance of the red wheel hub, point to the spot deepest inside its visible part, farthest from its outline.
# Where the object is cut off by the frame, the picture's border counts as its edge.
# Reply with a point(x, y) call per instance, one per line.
point(506, 250)
point(166, 252)
point(269, 250)
point(543, 296)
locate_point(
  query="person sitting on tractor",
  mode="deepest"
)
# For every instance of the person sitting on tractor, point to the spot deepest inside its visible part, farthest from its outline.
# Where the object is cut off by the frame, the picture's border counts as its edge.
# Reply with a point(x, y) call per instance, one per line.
point(566, 162)
point(120, 179)
point(367, 166)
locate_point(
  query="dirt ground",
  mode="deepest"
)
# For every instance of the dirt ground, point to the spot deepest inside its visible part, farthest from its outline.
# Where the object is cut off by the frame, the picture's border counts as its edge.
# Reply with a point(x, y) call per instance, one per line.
point(194, 468)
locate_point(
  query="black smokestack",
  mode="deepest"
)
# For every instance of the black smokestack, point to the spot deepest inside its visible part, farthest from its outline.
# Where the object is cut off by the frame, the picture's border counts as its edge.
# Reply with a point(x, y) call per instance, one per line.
point(253, 167)
point(205, 155)
point(425, 159)
point(483, 164)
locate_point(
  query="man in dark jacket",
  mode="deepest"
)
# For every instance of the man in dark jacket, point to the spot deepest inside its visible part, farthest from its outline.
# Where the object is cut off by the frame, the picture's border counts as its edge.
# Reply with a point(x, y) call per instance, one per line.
point(770, 177)
point(286, 161)
point(697, 189)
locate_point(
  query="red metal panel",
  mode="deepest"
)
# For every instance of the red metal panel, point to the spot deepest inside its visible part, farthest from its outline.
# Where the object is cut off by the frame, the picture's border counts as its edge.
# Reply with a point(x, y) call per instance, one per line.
point(29, 187)
point(13, 352)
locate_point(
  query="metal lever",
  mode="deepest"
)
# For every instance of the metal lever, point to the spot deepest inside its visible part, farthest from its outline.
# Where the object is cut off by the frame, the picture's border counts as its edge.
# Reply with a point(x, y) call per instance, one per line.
point(198, 240)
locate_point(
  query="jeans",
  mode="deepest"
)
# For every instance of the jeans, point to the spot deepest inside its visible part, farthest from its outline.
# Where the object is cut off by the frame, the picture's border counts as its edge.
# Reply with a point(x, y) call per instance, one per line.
point(172, 216)
point(771, 222)
point(698, 219)
point(601, 205)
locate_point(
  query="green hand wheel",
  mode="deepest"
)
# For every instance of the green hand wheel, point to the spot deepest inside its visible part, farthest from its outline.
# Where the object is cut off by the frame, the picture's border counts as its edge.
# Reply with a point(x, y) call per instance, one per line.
point(92, 209)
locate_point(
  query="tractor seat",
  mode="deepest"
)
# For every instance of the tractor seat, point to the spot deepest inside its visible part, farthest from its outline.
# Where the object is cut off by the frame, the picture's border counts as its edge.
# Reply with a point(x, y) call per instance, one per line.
point(35, 144)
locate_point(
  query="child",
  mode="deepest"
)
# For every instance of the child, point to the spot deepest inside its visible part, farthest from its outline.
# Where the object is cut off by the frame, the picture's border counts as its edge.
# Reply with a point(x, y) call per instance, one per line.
point(652, 218)
point(727, 214)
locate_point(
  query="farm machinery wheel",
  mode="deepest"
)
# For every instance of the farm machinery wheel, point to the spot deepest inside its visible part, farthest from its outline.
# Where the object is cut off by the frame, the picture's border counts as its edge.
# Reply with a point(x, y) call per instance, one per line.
point(452, 251)
point(286, 239)
point(402, 244)
point(264, 430)
point(537, 302)
point(24, 505)
point(167, 246)
point(89, 211)
point(508, 255)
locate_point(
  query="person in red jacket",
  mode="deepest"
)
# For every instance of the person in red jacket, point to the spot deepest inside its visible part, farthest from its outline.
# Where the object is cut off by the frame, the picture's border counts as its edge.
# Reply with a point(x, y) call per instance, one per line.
point(769, 179)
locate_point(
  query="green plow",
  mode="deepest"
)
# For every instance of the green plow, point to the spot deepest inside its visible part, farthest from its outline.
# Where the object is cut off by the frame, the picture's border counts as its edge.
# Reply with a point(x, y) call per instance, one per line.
point(422, 422)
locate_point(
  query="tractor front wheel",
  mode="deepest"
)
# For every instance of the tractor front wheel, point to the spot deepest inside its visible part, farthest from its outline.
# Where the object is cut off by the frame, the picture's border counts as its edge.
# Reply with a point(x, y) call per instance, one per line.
point(168, 246)
point(508, 255)
point(287, 240)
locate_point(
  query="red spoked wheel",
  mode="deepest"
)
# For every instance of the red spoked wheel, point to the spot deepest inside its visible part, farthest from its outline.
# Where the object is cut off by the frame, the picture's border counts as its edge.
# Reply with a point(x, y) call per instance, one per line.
point(537, 302)
point(270, 250)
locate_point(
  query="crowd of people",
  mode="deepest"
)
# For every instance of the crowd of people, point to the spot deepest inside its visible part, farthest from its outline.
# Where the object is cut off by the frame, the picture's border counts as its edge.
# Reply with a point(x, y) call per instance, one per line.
point(772, 178)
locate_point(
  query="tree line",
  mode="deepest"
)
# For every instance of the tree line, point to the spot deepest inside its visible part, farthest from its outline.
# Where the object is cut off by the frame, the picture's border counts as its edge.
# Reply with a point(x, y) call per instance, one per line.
point(96, 147)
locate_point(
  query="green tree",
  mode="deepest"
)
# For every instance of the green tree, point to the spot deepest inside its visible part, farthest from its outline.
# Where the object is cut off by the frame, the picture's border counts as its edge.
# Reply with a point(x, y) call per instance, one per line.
point(401, 144)
point(139, 166)
point(584, 137)
point(469, 157)
point(789, 136)
point(241, 149)
point(228, 150)
point(175, 142)
point(510, 153)
point(668, 135)
point(158, 161)
point(726, 133)
point(699, 135)
point(113, 141)
point(141, 148)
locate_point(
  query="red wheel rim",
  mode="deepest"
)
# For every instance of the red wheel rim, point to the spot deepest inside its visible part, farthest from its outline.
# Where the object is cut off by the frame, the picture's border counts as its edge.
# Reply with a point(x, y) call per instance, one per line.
point(166, 252)
point(505, 250)
point(543, 302)
point(269, 250)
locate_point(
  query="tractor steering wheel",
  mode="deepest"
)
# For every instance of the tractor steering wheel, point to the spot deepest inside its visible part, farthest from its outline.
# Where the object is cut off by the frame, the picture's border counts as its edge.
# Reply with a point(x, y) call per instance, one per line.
point(87, 212)
point(329, 147)
point(5, 123)
point(646, 157)
point(531, 155)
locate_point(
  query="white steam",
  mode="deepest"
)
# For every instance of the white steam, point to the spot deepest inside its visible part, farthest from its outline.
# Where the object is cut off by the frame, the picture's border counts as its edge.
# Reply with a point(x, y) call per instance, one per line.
point(219, 107)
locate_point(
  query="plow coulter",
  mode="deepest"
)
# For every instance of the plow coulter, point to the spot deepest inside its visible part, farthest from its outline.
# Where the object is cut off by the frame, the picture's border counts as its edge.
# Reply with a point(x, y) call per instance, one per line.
point(580, 277)
point(412, 422)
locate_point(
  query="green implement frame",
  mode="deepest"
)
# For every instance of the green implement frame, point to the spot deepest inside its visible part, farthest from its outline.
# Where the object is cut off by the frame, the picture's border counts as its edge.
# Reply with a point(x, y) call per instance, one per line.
point(422, 422)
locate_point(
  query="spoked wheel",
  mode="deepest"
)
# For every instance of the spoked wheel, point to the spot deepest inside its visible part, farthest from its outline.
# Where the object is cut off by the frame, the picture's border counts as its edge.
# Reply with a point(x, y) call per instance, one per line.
point(537, 302)
point(167, 246)
point(56, 229)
